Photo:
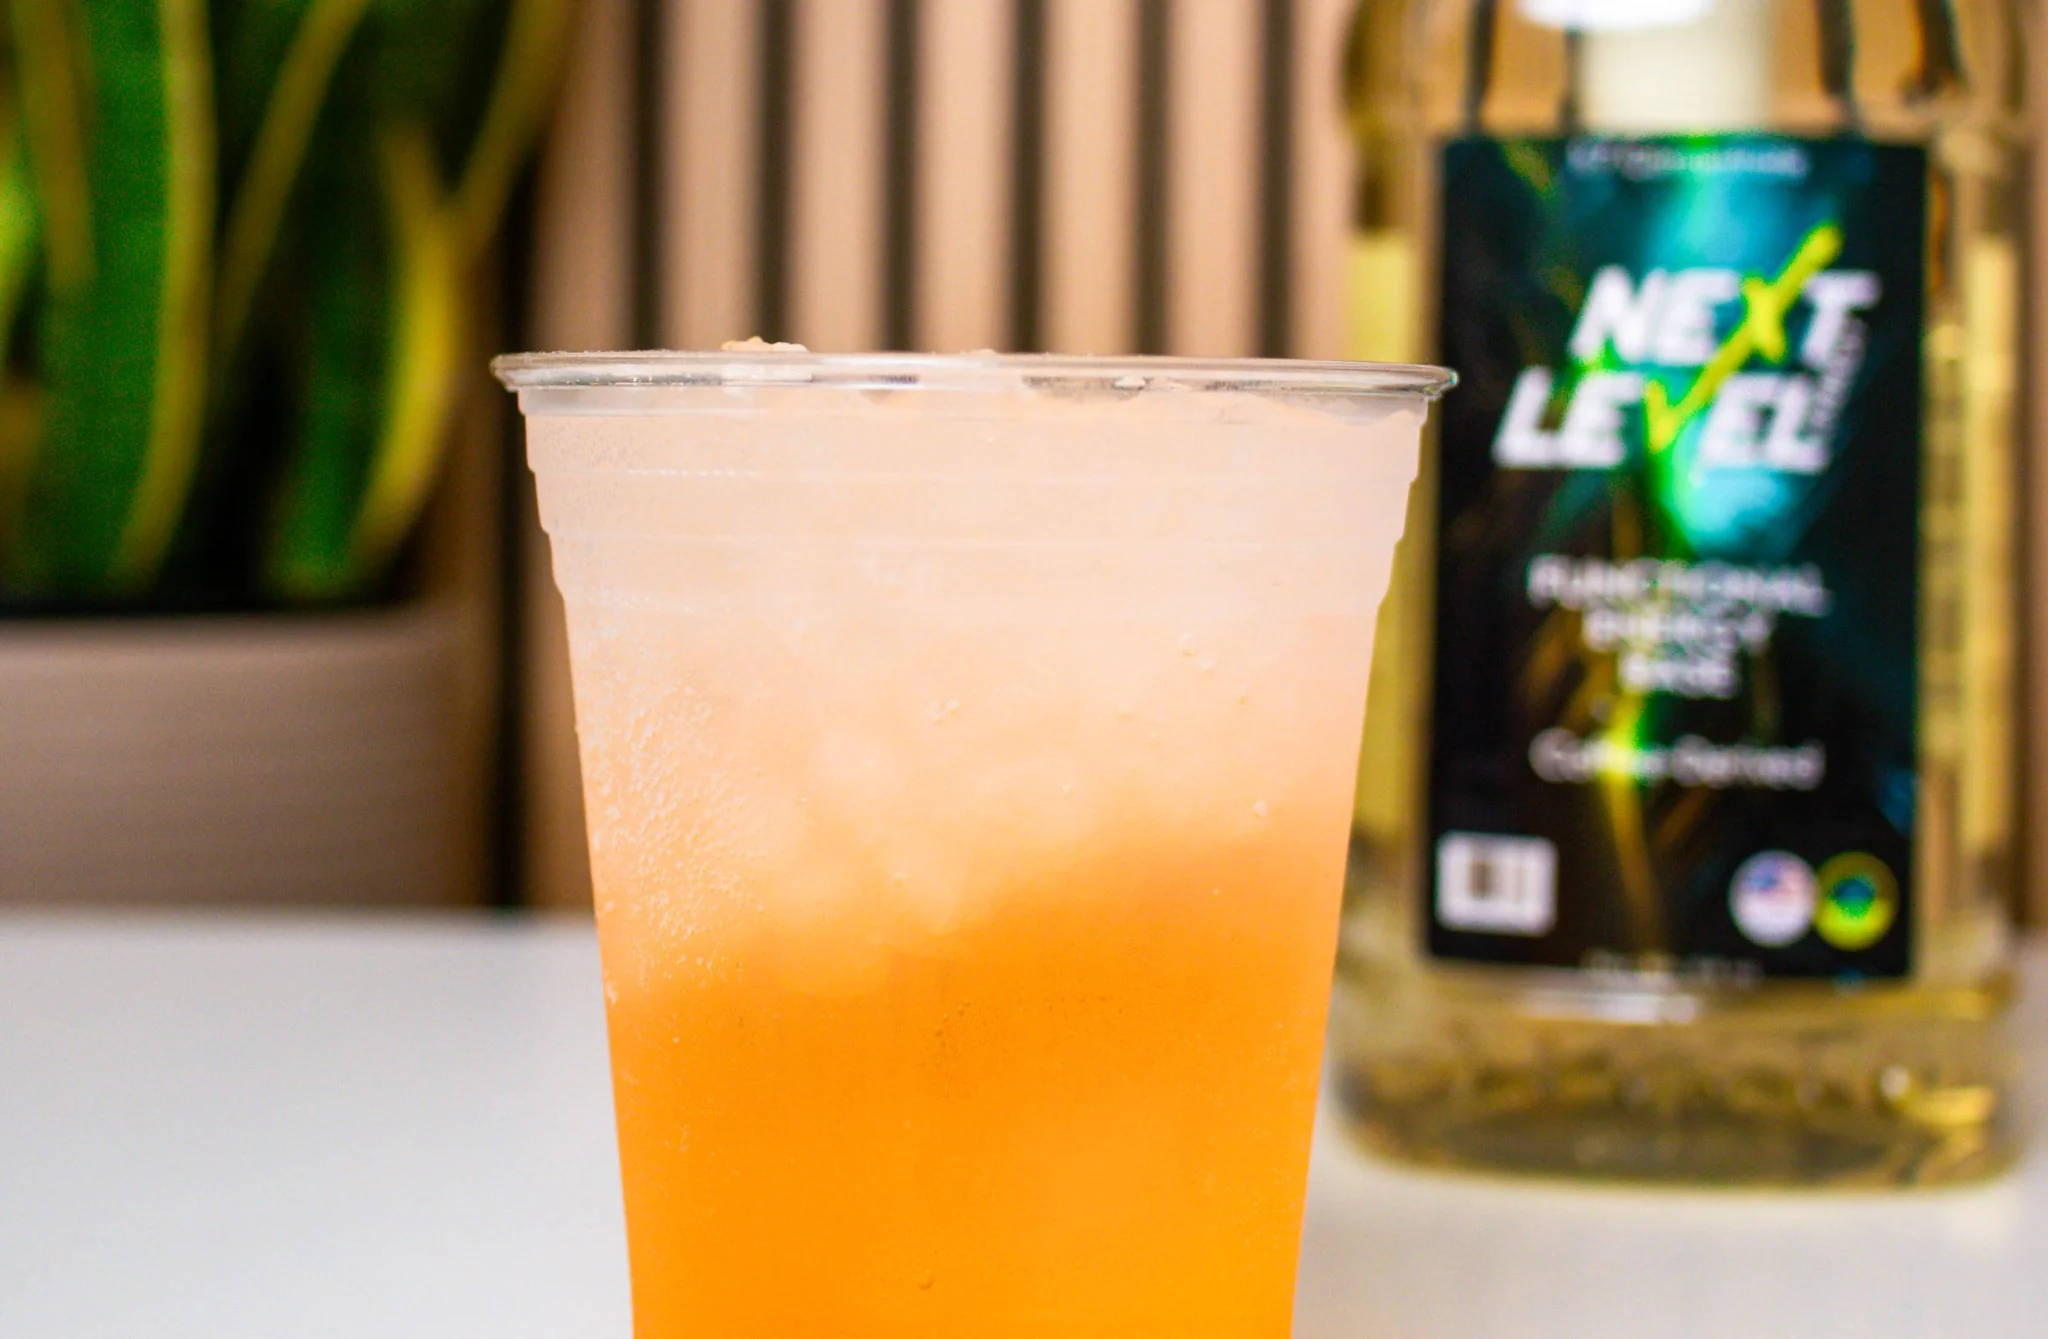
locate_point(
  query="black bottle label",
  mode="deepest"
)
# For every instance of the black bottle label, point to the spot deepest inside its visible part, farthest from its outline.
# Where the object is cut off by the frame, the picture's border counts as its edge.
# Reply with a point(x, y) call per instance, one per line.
point(1676, 674)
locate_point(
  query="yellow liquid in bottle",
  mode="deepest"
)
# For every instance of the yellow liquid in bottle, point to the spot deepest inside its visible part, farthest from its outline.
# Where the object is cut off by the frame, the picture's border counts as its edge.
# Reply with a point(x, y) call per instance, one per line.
point(1639, 1071)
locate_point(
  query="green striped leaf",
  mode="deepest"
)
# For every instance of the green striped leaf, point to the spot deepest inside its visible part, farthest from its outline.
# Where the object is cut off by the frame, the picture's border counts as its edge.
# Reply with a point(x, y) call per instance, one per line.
point(124, 353)
point(426, 335)
point(357, 489)
point(48, 59)
point(276, 155)
point(20, 229)
point(340, 256)
point(535, 37)
point(384, 331)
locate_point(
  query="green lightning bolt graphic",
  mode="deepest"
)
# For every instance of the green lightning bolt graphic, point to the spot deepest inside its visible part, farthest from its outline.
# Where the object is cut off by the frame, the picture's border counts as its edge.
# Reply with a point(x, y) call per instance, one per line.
point(1762, 331)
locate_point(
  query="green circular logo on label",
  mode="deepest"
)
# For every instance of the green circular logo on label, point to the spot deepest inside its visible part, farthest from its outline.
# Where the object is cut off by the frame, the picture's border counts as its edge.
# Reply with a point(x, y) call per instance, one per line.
point(1859, 900)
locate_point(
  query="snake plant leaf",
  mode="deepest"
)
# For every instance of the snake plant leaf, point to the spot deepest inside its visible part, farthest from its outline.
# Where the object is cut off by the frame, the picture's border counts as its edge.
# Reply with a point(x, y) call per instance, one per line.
point(19, 234)
point(344, 343)
point(342, 520)
point(305, 69)
point(123, 355)
point(438, 247)
point(48, 56)
point(536, 35)
point(20, 222)
point(275, 66)
point(426, 339)
point(430, 63)
point(386, 314)
point(251, 41)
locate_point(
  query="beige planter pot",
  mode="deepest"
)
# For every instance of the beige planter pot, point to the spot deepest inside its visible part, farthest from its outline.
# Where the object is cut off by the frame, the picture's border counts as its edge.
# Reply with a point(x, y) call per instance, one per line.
point(323, 759)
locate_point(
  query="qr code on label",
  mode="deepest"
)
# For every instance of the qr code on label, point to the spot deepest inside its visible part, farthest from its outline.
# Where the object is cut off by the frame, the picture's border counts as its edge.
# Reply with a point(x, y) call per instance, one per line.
point(1496, 885)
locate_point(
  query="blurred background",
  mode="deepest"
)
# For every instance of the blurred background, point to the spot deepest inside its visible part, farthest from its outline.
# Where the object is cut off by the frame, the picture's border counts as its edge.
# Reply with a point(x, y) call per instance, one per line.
point(276, 624)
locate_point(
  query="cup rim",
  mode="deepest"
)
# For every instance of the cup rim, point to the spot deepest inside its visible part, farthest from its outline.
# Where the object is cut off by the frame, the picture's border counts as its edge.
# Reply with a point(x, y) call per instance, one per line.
point(768, 366)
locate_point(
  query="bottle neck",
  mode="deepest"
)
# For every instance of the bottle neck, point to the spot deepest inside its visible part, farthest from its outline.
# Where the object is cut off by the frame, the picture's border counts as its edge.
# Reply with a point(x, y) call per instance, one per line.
point(1710, 74)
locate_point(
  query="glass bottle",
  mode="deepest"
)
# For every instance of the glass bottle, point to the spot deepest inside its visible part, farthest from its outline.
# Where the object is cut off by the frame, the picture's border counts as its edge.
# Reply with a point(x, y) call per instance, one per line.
point(1684, 847)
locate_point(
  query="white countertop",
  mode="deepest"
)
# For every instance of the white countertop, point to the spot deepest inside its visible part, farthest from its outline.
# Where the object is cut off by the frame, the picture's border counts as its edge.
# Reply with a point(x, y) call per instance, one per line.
point(258, 1129)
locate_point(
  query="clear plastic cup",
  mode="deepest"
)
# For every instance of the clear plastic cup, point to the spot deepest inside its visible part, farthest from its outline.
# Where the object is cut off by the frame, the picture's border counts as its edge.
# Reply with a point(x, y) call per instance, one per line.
point(968, 746)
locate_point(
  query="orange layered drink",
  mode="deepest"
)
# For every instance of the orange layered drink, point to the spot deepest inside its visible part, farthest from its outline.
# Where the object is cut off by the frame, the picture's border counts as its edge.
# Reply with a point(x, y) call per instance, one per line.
point(968, 748)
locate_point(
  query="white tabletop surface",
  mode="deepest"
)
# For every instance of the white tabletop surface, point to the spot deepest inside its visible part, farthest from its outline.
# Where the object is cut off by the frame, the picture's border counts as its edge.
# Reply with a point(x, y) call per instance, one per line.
point(402, 1129)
